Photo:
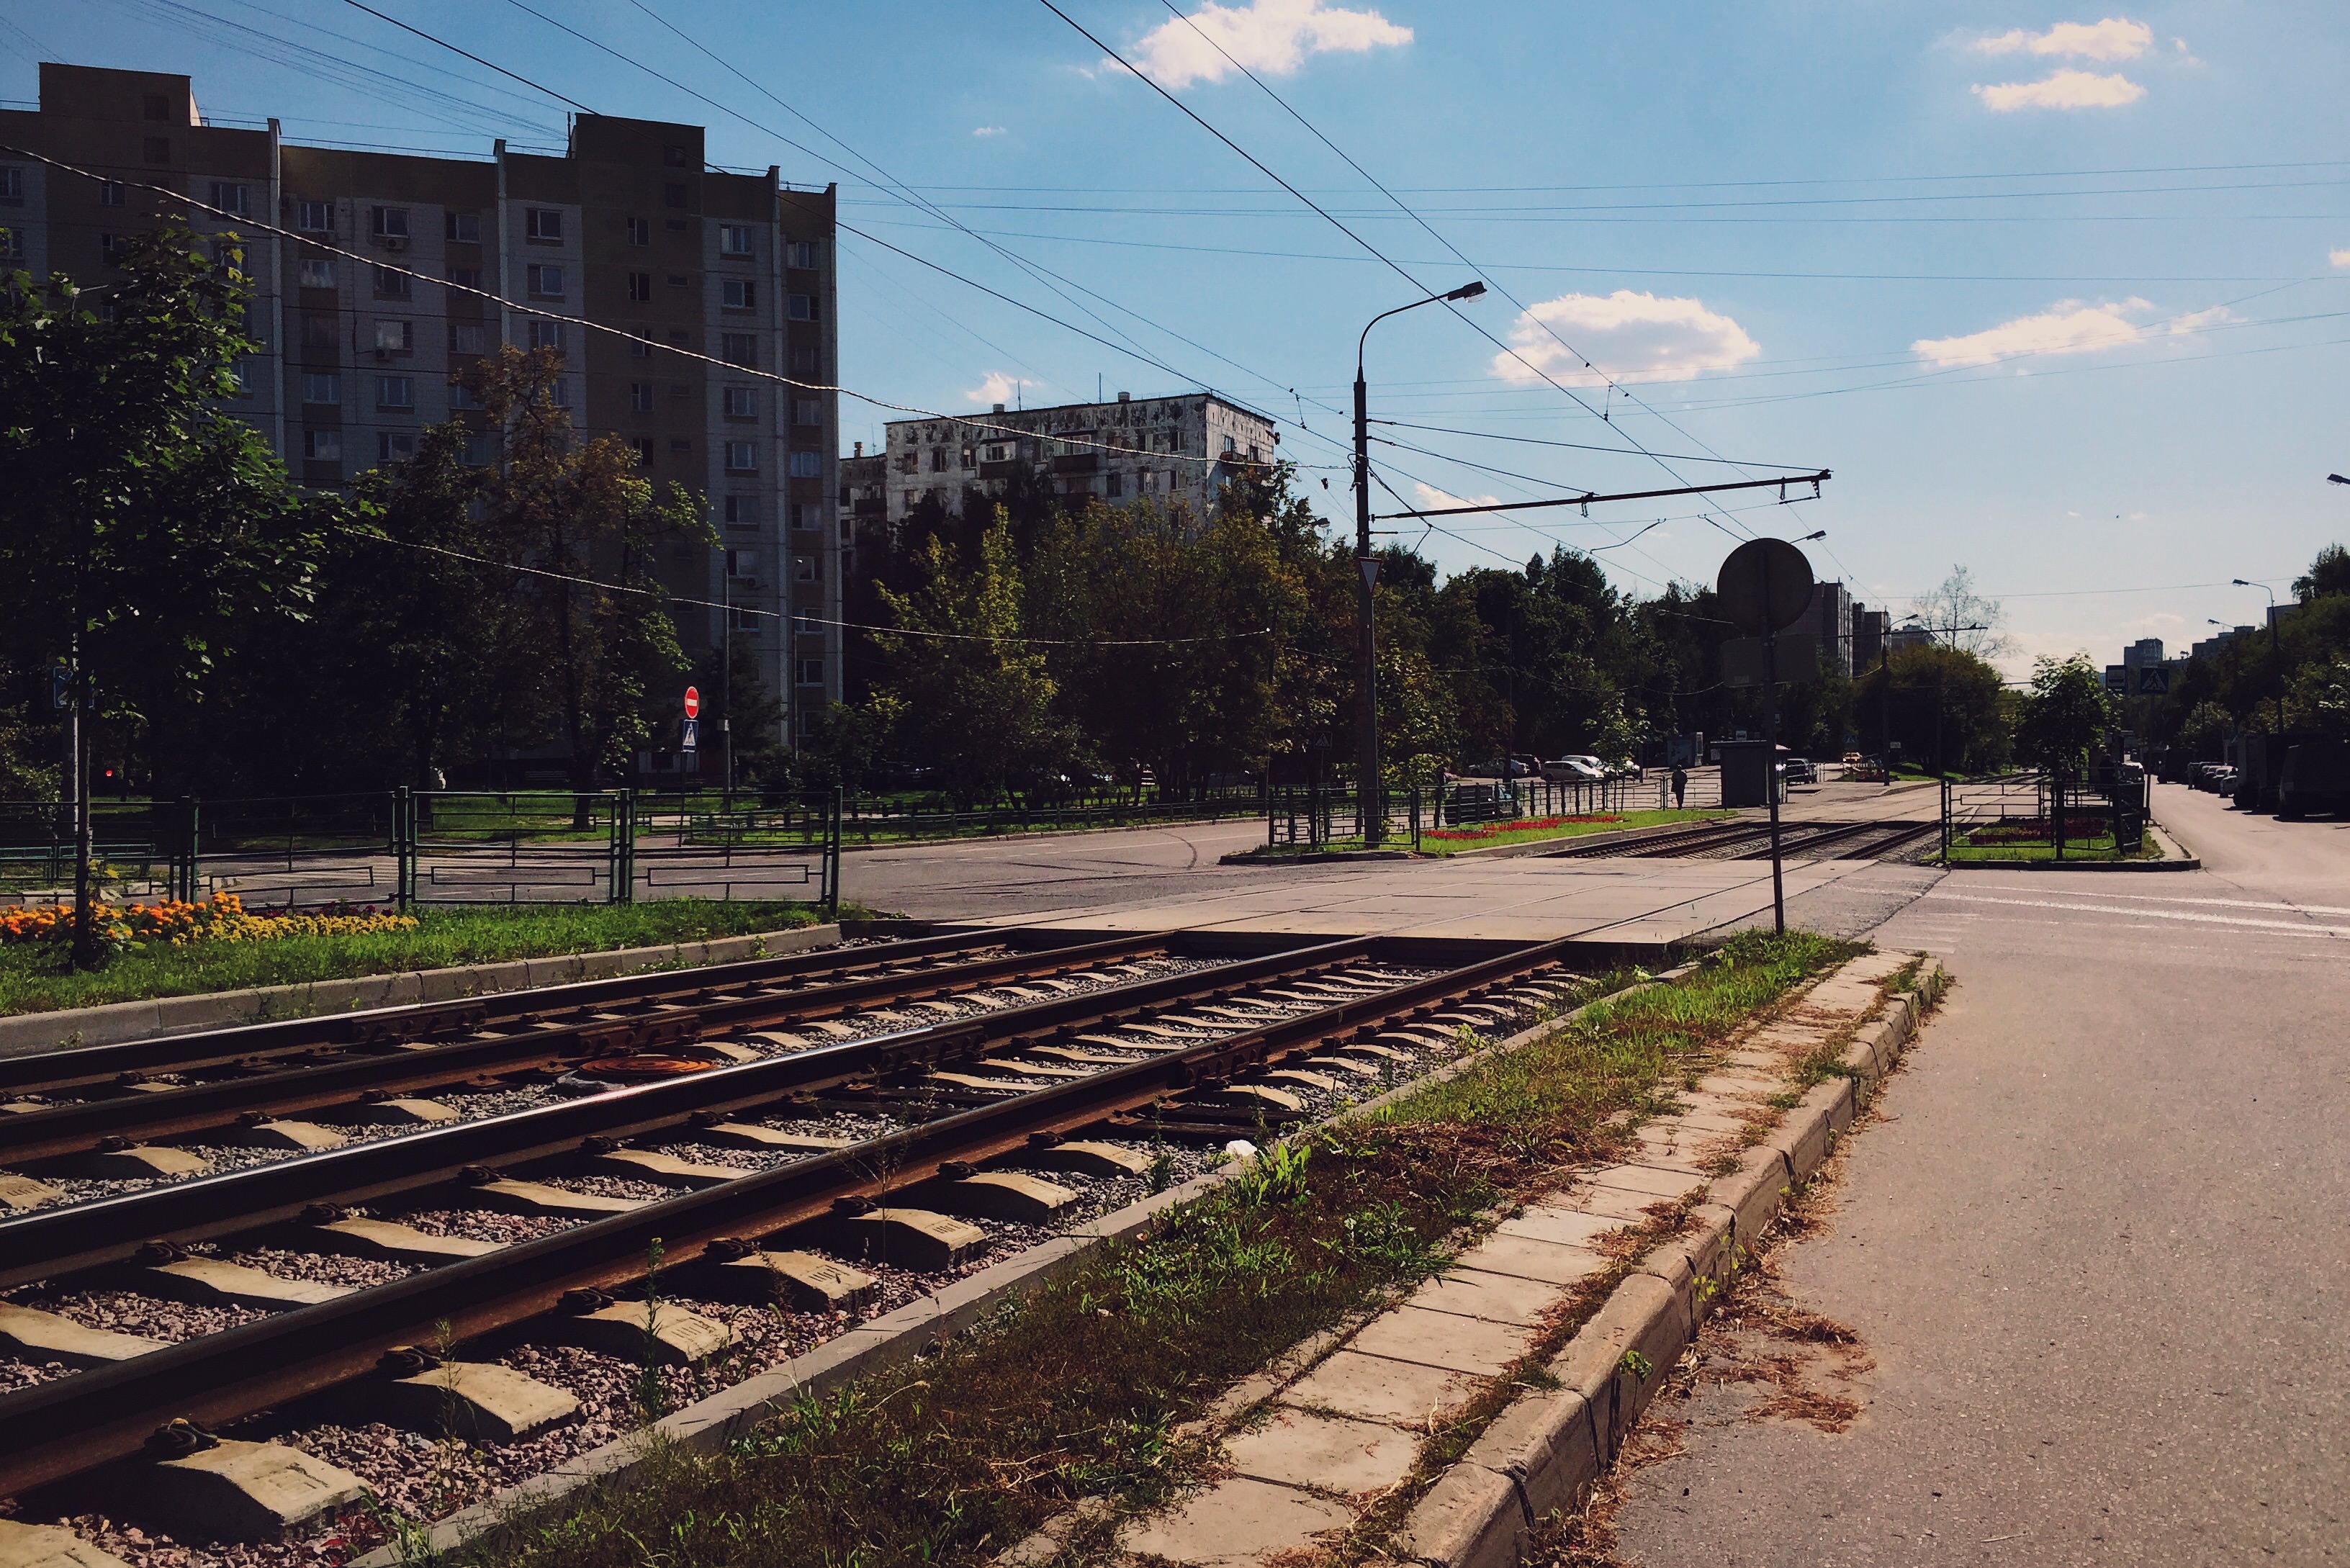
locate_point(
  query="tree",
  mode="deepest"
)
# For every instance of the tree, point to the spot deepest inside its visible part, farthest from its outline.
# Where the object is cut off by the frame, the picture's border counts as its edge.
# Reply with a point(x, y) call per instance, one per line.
point(2329, 573)
point(581, 513)
point(733, 689)
point(977, 699)
point(2064, 715)
point(143, 528)
point(1979, 622)
point(1940, 706)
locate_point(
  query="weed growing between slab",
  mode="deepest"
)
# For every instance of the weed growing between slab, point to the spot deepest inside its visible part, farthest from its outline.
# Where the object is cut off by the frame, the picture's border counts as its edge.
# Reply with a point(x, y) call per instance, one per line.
point(1078, 1390)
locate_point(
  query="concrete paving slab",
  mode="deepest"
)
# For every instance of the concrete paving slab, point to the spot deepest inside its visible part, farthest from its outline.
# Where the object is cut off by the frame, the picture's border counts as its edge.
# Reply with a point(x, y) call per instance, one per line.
point(1329, 1453)
point(1650, 1181)
point(1469, 1344)
point(1400, 1393)
point(1524, 1257)
point(1233, 1522)
point(1553, 1221)
point(1497, 1298)
point(47, 1546)
point(1611, 1203)
point(43, 1337)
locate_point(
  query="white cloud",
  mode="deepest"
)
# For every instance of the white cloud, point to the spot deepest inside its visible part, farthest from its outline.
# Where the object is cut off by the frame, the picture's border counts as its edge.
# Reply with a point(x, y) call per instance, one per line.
point(2067, 327)
point(2114, 38)
point(1433, 498)
point(1630, 337)
point(997, 388)
point(2065, 89)
point(987, 131)
point(1270, 35)
point(2339, 258)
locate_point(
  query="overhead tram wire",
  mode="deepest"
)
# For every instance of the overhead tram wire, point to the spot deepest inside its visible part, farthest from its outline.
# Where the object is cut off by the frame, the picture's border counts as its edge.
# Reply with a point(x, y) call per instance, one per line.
point(1580, 446)
point(510, 75)
point(1525, 312)
point(240, 221)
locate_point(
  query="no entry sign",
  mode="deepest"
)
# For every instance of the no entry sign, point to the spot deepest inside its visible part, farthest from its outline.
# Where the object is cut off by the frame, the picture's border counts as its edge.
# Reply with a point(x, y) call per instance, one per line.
point(693, 703)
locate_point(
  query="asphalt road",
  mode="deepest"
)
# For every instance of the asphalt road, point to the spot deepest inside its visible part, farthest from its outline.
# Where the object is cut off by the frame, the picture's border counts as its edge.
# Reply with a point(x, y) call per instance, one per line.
point(2096, 1248)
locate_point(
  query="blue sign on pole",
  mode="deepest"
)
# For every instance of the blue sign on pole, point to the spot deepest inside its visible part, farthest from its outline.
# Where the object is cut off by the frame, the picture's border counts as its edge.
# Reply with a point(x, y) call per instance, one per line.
point(692, 734)
point(2153, 681)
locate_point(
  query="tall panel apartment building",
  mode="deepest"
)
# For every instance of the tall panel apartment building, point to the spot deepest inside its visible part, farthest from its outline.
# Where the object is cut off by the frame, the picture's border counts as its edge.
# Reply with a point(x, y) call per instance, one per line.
point(628, 228)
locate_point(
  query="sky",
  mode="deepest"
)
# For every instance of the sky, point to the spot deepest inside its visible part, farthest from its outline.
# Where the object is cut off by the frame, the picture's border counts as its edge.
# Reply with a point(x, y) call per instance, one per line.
point(2058, 295)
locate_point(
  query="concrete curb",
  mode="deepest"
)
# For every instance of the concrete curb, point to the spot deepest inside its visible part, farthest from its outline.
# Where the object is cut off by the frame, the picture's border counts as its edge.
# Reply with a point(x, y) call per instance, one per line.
point(1543, 1454)
point(892, 1339)
point(1323, 857)
point(25, 1033)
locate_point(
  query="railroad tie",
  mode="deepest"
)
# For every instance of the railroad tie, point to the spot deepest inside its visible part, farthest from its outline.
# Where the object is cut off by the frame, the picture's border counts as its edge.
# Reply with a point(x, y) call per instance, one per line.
point(22, 1193)
point(389, 1239)
point(40, 1336)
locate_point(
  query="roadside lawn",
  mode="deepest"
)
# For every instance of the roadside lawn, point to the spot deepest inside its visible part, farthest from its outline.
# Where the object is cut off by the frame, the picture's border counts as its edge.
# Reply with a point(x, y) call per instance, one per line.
point(1081, 1389)
point(2097, 848)
point(34, 977)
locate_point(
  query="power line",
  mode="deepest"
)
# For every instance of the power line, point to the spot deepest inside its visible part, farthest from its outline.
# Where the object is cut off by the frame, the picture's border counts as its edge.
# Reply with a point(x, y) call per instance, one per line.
point(1573, 445)
point(1593, 500)
point(511, 75)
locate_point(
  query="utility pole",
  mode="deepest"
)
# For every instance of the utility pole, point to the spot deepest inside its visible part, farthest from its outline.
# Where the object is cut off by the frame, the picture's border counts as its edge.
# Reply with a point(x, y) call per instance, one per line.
point(1370, 808)
point(2276, 659)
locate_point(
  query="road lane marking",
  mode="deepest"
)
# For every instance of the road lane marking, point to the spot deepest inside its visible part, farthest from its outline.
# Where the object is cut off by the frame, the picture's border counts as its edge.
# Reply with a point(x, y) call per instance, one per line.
point(2297, 927)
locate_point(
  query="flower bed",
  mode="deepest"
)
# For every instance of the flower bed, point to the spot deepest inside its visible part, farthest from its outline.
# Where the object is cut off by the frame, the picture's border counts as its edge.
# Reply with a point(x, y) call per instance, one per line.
point(2038, 830)
point(223, 917)
point(1522, 825)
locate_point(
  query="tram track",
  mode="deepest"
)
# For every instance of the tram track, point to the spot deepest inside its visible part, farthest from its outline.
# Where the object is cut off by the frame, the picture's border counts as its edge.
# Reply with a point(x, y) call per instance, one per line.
point(1747, 840)
point(970, 1119)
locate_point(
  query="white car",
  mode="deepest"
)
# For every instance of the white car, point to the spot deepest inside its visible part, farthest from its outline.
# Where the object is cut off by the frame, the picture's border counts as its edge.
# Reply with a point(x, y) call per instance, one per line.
point(1576, 770)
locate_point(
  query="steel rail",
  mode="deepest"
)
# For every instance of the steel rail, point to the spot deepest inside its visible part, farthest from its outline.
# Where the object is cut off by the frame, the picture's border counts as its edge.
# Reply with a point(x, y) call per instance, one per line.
point(54, 1430)
point(286, 1088)
point(1894, 832)
point(60, 1241)
point(398, 1024)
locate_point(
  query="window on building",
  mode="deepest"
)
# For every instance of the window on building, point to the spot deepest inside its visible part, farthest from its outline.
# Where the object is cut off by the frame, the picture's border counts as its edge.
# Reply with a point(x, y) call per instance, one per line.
point(395, 336)
point(112, 193)
point(232, 196)
point(640, 397)
point(807, 514)
point(465, 276)
point(547, 335)
point(464, 228)
point(740, 511)
point(640, 349)
point(545, 282)
point(323, 446)
point(154, 106)
point(807, 671)
point(739, 347)
point(742, 403)
point(544, 225)
point(734, 240)
point(803, 307)
point(113, 247)
point(12, 245)
point(1114, 484)
point(644, 445)
point(680, 445)
point(157, 149)
point(469, 337)
point(317, 272)
point(12, 183)
point(640, 288)
point(739, 294)
point(481, 451)
point(395, 446)
point(314, 217)
point(462, 396)
point(395, 391)
point(803, 253)
point(558, 391)
point(242, 374)
point(1229, 445)
point(938, 460)
point(741, 563)
point(319, 332)
point(322, 386)
point(805, 569)
point(807, 411)
point(807, 465)
point(640, 231)
point(390, 283)
point(804, 363)
point(741, 457)
point(679, 280)
point(388, 223)
point(672, 195)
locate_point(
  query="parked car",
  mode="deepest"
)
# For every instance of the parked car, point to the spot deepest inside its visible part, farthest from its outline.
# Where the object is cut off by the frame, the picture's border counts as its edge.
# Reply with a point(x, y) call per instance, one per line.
point(1800, 771)
point(1851, 758)
point(2216, 778)
point(1576, 770)
point(2316, 777)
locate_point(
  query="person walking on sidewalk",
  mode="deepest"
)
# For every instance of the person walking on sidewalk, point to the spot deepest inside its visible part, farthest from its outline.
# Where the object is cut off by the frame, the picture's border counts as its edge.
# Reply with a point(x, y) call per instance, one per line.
point(1680, 785)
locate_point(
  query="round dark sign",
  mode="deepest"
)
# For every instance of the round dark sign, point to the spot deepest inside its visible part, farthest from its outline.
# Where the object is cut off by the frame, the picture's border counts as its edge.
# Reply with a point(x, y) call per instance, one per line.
point(1765, 585)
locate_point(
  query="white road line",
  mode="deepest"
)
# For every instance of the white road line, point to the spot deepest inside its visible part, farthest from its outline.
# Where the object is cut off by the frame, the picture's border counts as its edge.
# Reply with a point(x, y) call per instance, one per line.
point(2297, 927)
point(2174, 898)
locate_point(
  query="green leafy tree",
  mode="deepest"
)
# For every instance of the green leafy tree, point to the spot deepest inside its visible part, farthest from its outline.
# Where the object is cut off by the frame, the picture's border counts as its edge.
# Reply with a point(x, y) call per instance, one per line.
point(1939, 707)
point(2064, 716)
point(2328, 574)
point(144, 529)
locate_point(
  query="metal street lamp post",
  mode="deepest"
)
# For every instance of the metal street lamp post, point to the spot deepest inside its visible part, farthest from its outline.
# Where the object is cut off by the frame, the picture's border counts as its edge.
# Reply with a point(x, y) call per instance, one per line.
point(2276, 661)
point(1370, 808)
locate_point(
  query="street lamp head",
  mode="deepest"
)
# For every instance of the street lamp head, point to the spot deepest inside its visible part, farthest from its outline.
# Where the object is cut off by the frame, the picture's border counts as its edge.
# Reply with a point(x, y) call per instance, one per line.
point(1466, 291)
point(1815, 534)
point(2209, 621)
point(2240, 582)
point(2336, 479)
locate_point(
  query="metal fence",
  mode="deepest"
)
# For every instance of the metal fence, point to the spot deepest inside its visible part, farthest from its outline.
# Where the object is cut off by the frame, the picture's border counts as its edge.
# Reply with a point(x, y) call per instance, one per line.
point(409, 848)
point(1329, 814)
point(2027, 813)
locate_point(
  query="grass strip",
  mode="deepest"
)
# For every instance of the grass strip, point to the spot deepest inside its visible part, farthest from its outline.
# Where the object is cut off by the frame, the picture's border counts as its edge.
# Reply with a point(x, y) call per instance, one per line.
point(37, 977)
point(1079, 1390)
